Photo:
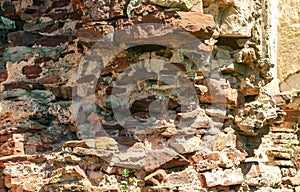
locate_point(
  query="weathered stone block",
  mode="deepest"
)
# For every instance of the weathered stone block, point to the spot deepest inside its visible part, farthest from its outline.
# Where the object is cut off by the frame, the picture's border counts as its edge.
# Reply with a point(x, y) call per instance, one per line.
point(194, 119)
point(237, 21)
point(49, 80)
point(291, 180)
point(223, 178)
point(104, 9)
point(93, 33)
point(185, 144)
point(246, 56)
point(279, 154)
point(23, 38)
point(200, 25)
point(186, 5)
point(255, 115)
point(223, 141)
point(205, 165)
point(12, 181)
point(220, 91)
point(11, 147)
point(3, 76)
point(32, 72)
point(270, 175)
point(165, 158)
point(95, 177)
point(187, 177)
point(283, 98)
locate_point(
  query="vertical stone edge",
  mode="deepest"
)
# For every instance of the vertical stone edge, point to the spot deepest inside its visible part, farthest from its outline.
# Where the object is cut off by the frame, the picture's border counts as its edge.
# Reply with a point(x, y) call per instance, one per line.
point(269, 41)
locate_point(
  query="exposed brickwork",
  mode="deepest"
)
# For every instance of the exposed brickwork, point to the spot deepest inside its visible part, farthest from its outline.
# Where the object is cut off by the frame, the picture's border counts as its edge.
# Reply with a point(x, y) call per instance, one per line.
point(190, 73)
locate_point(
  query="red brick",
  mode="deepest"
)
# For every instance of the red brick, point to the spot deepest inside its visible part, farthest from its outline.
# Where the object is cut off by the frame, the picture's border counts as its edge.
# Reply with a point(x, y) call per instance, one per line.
point(219, 92)
point(198, 116)
point(292, 115)
point(21, 85)
point(22, 158)
point(5, 138)
point(212, 156)
point(14, 182)
point(32, 72)
point(119, 65)
point(11, 148)
point(92, 33)
point(2, 183)
point(237, 156)
point(3, 76)
point(282, 98)
point(22, 38)
point(196, 158)
point(53, 41)
point(63, 92)
point(49, 80)
point(200, 25)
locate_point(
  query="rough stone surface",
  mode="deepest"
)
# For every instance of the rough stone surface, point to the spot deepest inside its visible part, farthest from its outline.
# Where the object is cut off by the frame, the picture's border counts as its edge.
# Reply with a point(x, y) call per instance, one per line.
point(224, 178)
point(270, 175)
point(186, 5)
point(145, 95)
point(200, 25)
point(287, 27)
point(254, 115)
point(237, 20)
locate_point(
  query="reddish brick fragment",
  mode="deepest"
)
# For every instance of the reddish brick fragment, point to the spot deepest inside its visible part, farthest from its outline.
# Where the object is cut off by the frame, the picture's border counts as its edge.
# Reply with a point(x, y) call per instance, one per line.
point(32, 72)
point(3, 76)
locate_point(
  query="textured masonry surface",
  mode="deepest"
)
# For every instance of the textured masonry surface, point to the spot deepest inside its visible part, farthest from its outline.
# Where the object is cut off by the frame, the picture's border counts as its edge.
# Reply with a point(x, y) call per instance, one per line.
point(171, 91)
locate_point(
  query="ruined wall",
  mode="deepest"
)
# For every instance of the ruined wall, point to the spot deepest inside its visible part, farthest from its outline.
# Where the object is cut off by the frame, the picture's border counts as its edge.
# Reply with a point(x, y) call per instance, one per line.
point(142, 96)
point(288, 42)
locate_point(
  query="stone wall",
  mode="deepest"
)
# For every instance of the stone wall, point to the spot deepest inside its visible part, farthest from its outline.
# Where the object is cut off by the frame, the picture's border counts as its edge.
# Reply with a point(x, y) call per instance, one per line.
point(143, 96)
point(288, 41)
